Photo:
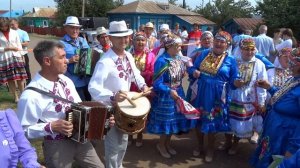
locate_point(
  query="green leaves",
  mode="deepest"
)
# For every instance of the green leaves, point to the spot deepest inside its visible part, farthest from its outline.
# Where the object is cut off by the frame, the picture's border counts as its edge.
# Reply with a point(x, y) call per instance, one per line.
point(281, 14)
point(93, 8)
point(219, 11)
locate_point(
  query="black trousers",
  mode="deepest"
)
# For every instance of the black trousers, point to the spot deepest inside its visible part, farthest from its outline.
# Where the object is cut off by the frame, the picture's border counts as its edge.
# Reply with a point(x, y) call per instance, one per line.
point(27, 68)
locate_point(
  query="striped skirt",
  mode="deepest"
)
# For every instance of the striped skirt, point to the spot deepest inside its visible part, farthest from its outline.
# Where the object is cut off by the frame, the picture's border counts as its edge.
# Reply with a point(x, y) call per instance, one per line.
point(12, 68)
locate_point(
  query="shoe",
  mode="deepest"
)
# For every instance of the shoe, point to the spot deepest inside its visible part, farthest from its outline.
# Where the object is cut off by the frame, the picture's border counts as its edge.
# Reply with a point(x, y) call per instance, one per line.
point(16, 100)
point(224, 146)
point(138, 144)
point(196, 152)
point(254, 138)
point(164, 154)
point(209, 156)
point(171, 151)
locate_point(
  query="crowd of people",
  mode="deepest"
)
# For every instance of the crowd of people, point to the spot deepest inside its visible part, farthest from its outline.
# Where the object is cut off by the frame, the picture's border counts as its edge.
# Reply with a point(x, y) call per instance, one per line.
point(244, 87)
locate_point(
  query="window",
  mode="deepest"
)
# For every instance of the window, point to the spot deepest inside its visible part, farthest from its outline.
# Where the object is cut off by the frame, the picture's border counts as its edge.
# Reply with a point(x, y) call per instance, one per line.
point(45, 23)
point(30, 23)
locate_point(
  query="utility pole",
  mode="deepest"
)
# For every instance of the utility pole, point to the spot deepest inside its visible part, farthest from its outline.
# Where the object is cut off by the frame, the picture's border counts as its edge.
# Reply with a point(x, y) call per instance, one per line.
point(83, 5)
point(10, 9)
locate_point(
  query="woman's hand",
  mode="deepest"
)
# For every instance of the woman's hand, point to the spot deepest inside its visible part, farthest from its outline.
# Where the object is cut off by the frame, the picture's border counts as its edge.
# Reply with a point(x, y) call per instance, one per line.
point(12, 49)
point(196, 74)
point(174, 94)
point(263, 84)
point(239, 83)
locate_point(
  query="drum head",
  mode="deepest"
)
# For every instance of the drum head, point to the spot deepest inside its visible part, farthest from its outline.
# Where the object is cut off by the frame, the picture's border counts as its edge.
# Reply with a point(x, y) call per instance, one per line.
point(142, 106)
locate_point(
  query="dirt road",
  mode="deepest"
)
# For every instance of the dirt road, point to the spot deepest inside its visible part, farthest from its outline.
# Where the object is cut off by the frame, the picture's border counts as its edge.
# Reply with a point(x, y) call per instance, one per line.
point(147, 156)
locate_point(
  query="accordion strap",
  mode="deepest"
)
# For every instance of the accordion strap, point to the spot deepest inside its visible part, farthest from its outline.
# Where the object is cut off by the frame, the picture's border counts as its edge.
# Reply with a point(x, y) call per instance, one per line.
point(50, 95)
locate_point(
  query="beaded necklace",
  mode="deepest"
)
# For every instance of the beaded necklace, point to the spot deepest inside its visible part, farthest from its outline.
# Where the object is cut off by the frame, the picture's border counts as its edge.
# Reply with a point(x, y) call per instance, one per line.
point(211, 64)
point(140, 60)
point(291, 83)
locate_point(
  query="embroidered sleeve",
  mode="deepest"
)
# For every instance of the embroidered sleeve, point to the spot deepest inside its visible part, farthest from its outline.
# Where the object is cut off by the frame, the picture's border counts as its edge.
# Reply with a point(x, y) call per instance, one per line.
point(29, 113)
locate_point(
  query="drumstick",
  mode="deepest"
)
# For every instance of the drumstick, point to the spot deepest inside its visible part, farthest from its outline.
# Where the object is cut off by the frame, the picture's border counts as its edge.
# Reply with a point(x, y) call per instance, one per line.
point(142, 94)
point(129, 100)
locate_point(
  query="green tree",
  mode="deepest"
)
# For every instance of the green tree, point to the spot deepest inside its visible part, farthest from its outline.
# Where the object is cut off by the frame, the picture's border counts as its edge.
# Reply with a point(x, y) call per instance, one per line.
point(173, 2)
point(93, 8)
point(219, 11)
point(281, 14)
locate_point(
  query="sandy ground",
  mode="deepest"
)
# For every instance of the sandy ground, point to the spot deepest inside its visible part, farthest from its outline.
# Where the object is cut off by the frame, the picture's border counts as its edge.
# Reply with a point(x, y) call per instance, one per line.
point(147, 156)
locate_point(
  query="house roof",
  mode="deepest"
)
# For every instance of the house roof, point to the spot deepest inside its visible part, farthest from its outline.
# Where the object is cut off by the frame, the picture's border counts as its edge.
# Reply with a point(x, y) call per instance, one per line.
point(3, 11)
point(248, 23)
point(42, 12)
point(13, 13)
point(196, 19)
point(152, 7)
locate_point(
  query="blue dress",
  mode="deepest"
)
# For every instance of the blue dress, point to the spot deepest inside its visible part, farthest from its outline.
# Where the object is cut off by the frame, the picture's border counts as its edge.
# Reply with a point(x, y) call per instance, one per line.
point(164, 117)
point(291, 162)
point(281, 131)
point(212, 93)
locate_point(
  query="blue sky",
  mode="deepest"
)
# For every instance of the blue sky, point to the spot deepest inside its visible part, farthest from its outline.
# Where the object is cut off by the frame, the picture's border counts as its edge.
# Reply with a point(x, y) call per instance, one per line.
point(27, 5)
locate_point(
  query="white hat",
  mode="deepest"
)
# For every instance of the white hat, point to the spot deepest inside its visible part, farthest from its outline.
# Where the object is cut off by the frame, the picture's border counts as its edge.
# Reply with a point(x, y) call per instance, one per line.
point(101, 30)
point(72, 21)
point(164, 27)
point(119, 29)
point(149, 24)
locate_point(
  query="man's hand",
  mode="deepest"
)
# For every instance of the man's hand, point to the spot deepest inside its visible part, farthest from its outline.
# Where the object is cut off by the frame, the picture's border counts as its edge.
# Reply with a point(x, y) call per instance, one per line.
point(120, 96)
point(74, 59)
point(62, 126)
point(111, 121)
point(263, 84)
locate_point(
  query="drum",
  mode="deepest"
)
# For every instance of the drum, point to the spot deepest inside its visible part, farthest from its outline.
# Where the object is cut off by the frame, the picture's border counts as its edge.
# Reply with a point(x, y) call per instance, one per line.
point(130, 119)
point(87, 61)
point(90, 120)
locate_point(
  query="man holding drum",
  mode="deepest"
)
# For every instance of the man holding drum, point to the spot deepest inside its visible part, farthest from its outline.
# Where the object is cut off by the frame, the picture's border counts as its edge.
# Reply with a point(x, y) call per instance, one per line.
point(43, 116)
point(113, 75)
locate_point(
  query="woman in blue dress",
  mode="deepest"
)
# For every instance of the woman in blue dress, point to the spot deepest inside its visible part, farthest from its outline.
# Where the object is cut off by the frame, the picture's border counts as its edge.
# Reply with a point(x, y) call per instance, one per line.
point(164, 119)
point(281, 130)
point(215, 72)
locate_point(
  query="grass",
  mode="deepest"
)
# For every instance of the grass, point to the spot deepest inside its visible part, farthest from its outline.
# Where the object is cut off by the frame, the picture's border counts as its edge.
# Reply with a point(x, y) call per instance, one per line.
point(6, 99)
